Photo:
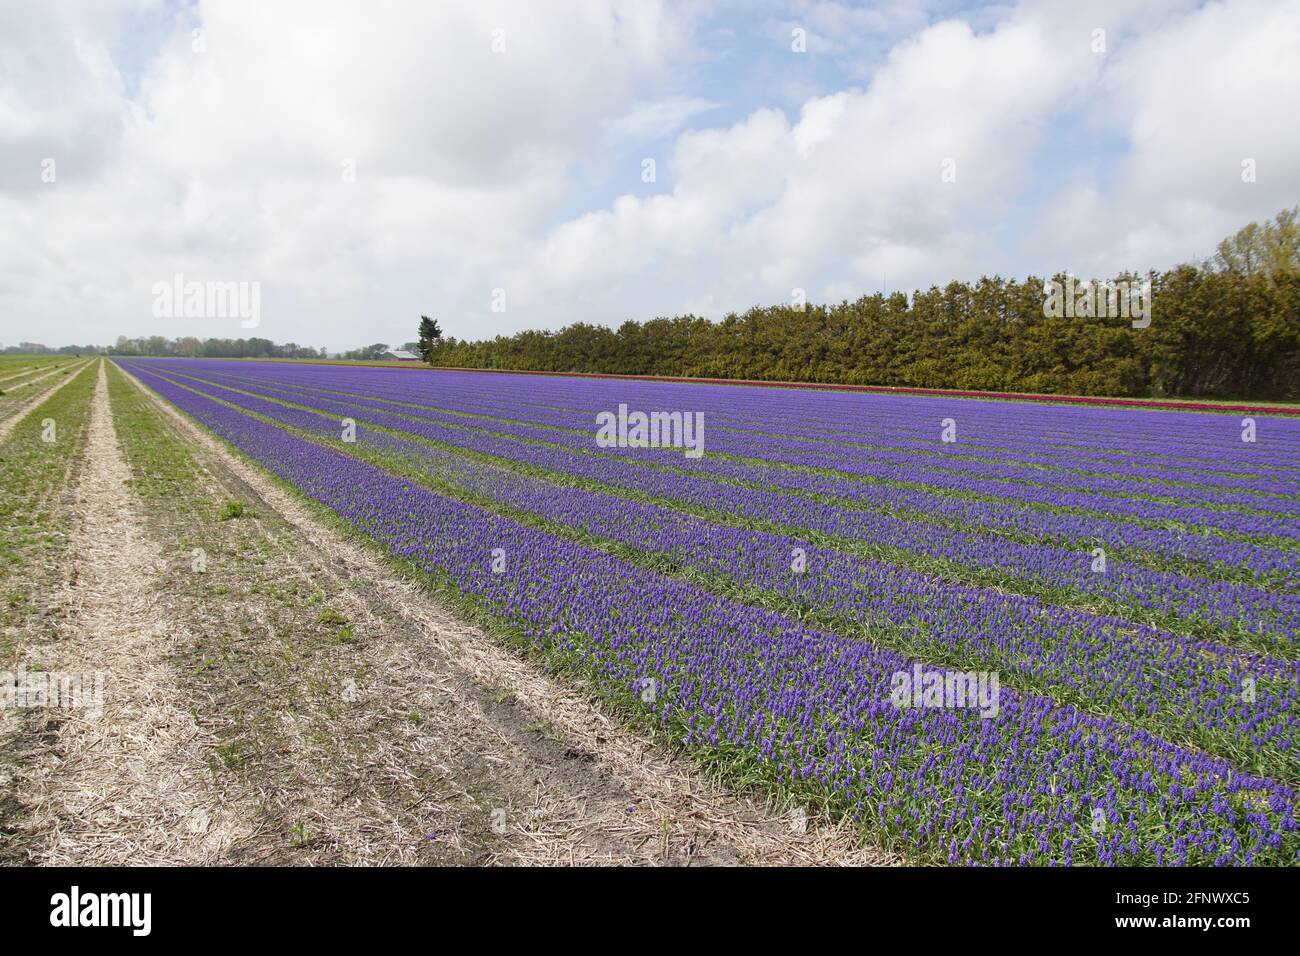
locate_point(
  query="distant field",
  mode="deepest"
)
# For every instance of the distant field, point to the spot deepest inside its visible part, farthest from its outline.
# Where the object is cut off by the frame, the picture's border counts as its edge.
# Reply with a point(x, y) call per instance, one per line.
point(363, 363)
point(980, 632)
point(24, 377)
point(1193, 404)
point(12, 365)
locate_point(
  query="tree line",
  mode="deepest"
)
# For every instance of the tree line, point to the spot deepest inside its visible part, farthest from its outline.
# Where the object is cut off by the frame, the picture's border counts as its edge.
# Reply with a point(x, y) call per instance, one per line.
point(1229, 327)
point(191, 347)
point(1226, 328)
point(184, 347)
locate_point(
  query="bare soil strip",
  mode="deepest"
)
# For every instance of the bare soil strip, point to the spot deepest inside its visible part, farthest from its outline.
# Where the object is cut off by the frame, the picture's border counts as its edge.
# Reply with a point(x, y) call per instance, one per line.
point(10, 418)
point(130, 784)
point(369, 724)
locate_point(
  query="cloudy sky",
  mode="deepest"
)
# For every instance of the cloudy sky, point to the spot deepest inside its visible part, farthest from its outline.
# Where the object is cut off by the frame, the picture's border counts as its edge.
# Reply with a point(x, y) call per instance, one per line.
point(526, 164)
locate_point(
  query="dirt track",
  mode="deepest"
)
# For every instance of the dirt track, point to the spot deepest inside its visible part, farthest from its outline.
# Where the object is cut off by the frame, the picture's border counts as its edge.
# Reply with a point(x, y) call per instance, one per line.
point(127, 785)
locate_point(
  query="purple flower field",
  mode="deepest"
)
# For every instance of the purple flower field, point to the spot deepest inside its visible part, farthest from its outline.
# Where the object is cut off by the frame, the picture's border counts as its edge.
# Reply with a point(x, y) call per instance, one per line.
point(1127, 583)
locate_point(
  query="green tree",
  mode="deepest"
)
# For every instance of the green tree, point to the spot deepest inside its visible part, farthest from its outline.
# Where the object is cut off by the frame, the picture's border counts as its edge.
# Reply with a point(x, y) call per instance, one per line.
point(368, 353)
point(430, 336)
point(1266, 248)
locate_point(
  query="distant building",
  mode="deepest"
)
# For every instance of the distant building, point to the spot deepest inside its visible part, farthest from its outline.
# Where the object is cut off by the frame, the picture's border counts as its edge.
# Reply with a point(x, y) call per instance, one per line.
point(400, 355)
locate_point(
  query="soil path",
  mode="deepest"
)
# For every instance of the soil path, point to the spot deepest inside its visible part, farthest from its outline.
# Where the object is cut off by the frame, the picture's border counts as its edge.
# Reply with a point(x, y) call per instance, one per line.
point(125, 783)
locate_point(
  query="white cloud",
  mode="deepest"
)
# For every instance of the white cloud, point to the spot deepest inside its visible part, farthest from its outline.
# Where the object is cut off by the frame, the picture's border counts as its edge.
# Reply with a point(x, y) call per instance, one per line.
point(227, 164)
point(852, 190)
point(60, 93)
point(1194, 99)
point(650, 121)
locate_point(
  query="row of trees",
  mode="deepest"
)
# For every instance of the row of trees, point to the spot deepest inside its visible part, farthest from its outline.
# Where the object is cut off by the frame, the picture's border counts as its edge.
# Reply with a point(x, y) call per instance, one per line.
point(36, 348)
point(185, 347)
point(1227, 328)
point(191, 347)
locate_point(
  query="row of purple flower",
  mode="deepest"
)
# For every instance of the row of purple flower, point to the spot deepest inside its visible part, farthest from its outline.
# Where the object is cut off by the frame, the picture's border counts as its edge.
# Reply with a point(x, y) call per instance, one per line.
point(808, 710)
